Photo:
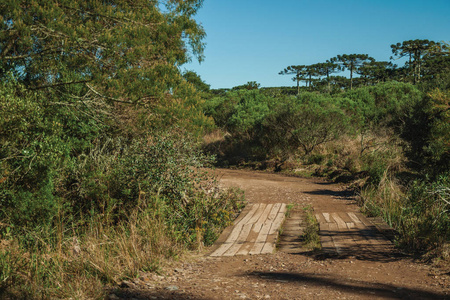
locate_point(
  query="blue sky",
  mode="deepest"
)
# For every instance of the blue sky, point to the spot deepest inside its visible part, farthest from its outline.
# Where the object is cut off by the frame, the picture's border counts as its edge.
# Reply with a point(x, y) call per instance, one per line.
point(253, 40)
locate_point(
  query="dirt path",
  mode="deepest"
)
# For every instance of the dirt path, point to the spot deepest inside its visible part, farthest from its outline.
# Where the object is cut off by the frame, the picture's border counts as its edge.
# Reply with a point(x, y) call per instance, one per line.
point(365, 265)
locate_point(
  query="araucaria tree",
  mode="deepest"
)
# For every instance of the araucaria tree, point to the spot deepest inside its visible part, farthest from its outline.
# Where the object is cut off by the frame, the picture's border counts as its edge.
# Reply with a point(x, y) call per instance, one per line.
point(299, 73)
point(415, 50)
point(326, 69)
point(352, 62)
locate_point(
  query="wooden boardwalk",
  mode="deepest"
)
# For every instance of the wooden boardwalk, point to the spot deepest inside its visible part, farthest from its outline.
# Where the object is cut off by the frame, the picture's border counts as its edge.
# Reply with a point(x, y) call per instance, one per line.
point(341, 233)
point(351, 234)
point(254, 232)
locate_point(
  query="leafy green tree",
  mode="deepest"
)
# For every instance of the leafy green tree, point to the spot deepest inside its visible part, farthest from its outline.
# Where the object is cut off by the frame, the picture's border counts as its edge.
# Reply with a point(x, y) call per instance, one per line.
point(436, 68)
point(339, 83)
point(302, 123)
point(352, 62)
point(196, 81)
point(125, 51)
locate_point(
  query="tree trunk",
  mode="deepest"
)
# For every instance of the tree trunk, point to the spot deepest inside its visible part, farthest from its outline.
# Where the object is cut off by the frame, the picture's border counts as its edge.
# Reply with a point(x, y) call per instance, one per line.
point(351, 76)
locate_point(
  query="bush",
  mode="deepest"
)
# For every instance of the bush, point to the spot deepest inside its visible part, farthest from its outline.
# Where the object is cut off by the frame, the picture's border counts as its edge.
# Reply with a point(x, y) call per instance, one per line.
point(87, 194)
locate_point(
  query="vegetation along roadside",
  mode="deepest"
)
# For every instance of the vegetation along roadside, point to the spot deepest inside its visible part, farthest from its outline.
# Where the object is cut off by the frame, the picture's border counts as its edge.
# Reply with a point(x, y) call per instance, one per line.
point(104, 141)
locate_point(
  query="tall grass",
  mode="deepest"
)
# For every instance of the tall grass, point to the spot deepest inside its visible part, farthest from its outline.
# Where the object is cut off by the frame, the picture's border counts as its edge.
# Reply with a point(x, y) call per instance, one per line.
point(68, 262)
point(419, 211)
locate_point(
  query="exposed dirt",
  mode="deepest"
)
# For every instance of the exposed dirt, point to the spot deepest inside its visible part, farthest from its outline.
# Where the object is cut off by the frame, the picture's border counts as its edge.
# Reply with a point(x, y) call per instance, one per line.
point(386, 274)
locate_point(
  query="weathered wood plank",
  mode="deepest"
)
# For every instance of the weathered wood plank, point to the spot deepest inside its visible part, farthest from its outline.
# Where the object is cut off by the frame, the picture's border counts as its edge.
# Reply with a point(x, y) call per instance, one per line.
point(320, 218)
point(341, 224)
point(276, 224)
point(327, 217)
point(337, 239)
point(354, 218)
point(272, 236)
point(235, 232)
point(255, 230)
point(325, 239)
point(262, 237)
point(344, 216)
point(239, 241)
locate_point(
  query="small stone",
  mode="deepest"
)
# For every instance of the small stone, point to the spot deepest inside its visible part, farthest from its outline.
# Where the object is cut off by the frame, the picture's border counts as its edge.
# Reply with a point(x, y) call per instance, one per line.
point(172, 288)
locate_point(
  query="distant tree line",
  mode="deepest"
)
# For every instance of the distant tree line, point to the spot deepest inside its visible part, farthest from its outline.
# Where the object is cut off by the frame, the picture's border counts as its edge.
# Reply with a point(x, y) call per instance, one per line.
point(427, 61)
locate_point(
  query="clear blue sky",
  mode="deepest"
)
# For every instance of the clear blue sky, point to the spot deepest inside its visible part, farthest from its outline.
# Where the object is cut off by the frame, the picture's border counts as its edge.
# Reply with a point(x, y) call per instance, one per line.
point(253, 40)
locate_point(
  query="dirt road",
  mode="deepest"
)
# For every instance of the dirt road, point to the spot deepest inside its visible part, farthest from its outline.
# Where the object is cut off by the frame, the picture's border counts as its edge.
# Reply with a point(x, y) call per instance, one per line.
point(363, 271)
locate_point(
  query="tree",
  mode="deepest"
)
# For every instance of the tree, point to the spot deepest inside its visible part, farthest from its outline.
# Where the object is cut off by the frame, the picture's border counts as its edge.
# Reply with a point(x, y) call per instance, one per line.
point(415, 50)
point(376, 71)
point(436, 67)
point(352, 62)
point(300, 74)
point(120, 50)
point(250, 85)
point(302, 124)
point(196, 81)
point(326, 69)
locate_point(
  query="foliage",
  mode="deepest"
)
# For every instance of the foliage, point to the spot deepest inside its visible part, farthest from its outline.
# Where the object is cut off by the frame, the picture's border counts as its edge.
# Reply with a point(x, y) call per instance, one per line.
point(311, 236)
point(196, 81)
point(305, 123)
point(115, 48)
point(419, 212)
point(100, 167)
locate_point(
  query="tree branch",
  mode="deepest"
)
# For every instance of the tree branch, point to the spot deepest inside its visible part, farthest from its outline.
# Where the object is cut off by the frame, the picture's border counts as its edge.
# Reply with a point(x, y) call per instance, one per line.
point(57, 84)
point(106, 97)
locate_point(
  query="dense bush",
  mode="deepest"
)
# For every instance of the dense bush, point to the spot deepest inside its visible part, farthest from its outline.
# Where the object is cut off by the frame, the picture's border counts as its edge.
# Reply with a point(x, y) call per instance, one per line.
point(83, 171)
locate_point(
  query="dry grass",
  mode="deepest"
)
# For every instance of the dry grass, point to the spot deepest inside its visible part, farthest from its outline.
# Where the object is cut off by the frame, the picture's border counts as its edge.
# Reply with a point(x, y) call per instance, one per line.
point(215, 136)
point(80, 265)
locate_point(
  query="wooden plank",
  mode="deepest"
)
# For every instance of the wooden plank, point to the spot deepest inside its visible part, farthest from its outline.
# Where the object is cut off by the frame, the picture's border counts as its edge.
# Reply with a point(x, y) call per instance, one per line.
point(341, 224)
point(262, 237)
point(337, 239)
point(320, 218)
point(235, 232)
point(254, 232)
point(366, 229)
point(354, 218)
point(257, 214)
point(350, 225)
point(364, 220)
point(272, 237)
point(327, 217)
point(344, 235)
point(269, 245)
point(374, 233)
point(276, 224)
point(258, 225)
point(326, 240)
point(344, 216)
point(239, 241)
point(360, 241)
